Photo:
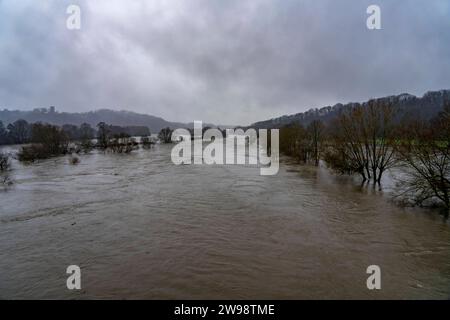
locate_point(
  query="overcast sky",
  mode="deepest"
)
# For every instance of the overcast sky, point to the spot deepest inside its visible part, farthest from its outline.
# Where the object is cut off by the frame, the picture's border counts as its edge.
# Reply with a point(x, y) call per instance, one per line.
point(223, 61)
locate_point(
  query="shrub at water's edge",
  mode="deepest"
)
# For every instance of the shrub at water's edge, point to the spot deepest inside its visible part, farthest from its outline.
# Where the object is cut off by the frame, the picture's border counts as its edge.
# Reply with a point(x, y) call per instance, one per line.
point(4, 162)
point(47, 141)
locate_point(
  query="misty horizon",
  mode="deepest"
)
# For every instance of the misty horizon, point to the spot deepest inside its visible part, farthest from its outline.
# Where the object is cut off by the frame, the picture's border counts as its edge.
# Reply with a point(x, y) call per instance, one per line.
point(32, 109)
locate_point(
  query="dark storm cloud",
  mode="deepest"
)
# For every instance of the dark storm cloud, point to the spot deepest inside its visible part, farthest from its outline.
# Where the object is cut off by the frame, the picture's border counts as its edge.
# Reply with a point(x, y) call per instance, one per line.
point(219, 61)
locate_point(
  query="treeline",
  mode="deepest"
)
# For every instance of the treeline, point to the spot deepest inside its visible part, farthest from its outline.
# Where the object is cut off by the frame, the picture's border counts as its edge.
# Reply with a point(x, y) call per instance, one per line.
point(43, 140)
point(46, 141)
point(120, 140)
point(20, 132)
point(165, 135)
point(368, 140)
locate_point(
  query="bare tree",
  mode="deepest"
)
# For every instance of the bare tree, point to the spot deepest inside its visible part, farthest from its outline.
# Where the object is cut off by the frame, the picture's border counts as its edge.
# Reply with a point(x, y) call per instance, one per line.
point(48, 141)
point(4, 162)
point(363, 140)
point(316, 132)
point(147, 142)
point(294, 142)
point(19, 131)
point(103, 135)
point(347, 152)
point(3, 134)
point(122, 143)
point(379, 135)
point(424, 150)
point(165, 135)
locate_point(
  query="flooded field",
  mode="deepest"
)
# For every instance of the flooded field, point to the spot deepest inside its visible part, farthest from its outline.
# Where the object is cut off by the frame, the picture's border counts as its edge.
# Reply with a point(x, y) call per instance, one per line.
point(141, 227)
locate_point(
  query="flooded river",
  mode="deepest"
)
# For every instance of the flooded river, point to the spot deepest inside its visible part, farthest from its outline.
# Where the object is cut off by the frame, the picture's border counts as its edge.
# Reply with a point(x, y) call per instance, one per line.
point(141, 227)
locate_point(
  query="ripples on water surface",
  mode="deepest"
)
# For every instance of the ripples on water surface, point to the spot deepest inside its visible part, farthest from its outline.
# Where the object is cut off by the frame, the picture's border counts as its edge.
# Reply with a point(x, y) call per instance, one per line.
point(141, 227)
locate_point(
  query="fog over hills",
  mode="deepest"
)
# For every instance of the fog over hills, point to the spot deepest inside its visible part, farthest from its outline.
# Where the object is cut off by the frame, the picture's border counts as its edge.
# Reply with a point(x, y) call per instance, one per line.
point(424, 107)
point(118, 118)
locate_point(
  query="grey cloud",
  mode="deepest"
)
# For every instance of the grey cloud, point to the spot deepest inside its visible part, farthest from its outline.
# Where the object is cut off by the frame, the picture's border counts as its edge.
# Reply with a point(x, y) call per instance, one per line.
point(219, 61)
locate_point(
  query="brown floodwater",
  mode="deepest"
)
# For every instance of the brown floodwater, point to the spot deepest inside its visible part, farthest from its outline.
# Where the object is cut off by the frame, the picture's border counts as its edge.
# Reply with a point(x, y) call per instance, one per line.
point(141, 227)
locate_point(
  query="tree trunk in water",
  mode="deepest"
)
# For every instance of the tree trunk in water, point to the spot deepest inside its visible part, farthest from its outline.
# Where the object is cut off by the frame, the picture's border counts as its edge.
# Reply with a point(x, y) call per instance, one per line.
point(375, 177)
point(380, 174)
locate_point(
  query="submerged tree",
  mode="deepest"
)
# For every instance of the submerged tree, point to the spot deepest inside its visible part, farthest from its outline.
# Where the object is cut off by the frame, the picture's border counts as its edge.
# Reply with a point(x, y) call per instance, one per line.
point(363, 140)
point(53, 138)
point(315, 132)
point(71, 132)
point(347, 152)
point(87, 133)
point(48, 141)
point(3, 134)
point(19, 131)
point(122, 143)
point(165, 135)
point(102, 135)
point(380, 134)
point(294, 142)
point(4, 162)
point(424, 150)
point(147, 142)
point(305, 145)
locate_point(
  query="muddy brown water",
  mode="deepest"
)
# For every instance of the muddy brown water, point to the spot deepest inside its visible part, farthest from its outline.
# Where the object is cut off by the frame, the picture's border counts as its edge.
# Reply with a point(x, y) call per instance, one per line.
point(141, 227)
